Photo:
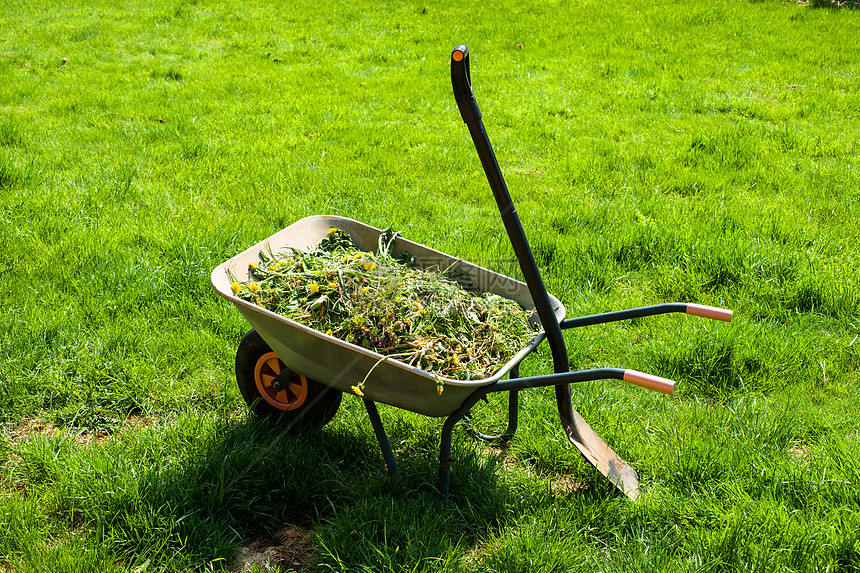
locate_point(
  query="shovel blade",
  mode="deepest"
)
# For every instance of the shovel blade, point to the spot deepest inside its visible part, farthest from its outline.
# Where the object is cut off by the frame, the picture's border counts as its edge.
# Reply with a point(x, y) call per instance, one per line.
point(601, 456)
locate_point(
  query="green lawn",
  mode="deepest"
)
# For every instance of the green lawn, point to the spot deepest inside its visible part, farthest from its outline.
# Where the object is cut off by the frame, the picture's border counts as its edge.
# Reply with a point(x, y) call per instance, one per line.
point(671, 151)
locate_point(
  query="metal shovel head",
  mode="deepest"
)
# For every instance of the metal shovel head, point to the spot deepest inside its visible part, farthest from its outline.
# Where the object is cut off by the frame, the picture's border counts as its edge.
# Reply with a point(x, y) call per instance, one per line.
point(601, 456)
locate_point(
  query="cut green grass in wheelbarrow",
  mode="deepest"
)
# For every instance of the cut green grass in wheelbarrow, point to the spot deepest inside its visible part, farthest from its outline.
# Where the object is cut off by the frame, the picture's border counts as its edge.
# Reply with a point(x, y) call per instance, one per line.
point(386, 304)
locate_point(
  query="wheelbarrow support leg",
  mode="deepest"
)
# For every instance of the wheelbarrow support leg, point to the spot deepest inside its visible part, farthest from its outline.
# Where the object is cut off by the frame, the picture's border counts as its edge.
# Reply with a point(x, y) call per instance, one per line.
point(448, 429)
point(445, 453)
point(381, 437)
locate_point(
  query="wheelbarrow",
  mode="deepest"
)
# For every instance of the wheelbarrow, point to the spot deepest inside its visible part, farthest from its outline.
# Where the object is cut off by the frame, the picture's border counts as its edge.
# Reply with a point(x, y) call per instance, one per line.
point(287, 370)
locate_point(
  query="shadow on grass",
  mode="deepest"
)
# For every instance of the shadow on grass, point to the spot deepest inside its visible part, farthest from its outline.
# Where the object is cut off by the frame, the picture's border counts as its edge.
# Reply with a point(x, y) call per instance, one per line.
point(253, 479)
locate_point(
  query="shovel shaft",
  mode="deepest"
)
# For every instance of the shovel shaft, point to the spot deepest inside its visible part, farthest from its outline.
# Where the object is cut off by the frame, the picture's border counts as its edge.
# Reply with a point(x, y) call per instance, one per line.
point(461, 81)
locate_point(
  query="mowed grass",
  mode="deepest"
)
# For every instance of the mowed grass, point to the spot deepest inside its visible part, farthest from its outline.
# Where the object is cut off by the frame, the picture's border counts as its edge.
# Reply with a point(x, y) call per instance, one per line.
point(699, 152)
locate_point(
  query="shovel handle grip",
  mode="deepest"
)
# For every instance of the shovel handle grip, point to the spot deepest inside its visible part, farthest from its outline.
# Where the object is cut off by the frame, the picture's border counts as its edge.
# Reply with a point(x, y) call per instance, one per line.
point(461, 81)
point(710, 312)
point(649, 381)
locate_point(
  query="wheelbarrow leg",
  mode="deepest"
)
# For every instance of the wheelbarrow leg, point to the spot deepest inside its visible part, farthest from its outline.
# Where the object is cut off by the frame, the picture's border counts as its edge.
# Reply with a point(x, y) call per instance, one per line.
point(459, 414)
point(381, 437)
point(592, 446)
point(445, 453)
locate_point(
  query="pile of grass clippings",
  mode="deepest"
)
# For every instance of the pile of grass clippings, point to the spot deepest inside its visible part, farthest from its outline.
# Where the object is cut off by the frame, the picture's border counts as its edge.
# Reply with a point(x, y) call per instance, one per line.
point(386, 304)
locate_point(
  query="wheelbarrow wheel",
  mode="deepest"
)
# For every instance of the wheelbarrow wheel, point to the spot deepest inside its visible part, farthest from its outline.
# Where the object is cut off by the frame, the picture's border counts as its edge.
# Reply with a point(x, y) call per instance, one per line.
point(274, 391)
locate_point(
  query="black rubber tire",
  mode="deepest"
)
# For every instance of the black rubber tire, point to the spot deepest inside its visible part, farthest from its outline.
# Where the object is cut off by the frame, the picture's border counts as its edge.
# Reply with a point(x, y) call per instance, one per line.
point(319, 407)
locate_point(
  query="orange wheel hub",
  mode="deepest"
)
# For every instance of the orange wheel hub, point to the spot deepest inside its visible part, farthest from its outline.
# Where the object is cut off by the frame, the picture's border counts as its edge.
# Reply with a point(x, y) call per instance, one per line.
point(287, 394)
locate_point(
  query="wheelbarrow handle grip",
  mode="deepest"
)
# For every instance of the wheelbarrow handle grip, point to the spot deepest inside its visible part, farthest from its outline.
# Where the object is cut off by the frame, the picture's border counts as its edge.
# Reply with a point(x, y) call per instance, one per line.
point(710, 312)
point(461, 80)
point(649, 381)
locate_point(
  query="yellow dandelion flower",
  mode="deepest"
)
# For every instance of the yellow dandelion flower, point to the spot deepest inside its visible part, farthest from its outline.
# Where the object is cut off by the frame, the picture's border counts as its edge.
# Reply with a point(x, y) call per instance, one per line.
point(357, 391)
point(365, 289)
point(235, 287)
point(368, 265)
point(276, 266)
point(439, 389)
point(252, 266)
point(253, 286)
point(345, 259)
point(332, 285)
point(358, 255)
point(328, 331)
point(332, 230)
point(314, 287)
